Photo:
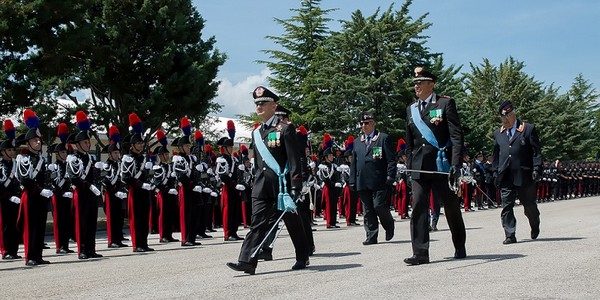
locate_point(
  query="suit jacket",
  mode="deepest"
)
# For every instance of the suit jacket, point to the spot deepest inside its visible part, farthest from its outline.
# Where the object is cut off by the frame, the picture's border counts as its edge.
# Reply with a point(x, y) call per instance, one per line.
point(519, 156)
point(266, 182)
point(368, 172)
point(447, 131)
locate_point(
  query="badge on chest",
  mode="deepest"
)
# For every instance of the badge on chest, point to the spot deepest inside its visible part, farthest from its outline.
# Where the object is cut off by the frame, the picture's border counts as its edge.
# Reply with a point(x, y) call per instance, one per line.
point(274, 139)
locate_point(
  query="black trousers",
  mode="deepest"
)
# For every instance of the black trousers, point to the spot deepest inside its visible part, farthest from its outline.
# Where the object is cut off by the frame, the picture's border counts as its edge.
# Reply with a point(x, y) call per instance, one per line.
point(419, 223)
point(34, 212)
point(188, 214)
point(375, 209)
point(115, 225)
point(202, 206)
point(351, 218)
point(527, 195)
point(264, 215)
point(139, 216)
point(10, 231)
point(63, 220)
point(86, 208)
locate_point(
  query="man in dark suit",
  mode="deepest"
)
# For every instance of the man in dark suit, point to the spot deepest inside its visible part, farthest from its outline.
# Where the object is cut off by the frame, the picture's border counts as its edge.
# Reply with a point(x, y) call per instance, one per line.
point(281, 143)
point(434, 140)
point(518, 166)
point(372, 171)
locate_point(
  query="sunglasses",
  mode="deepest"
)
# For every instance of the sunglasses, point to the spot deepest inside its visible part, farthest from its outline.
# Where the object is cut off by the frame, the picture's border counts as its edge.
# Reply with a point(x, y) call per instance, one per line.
point(366, 122)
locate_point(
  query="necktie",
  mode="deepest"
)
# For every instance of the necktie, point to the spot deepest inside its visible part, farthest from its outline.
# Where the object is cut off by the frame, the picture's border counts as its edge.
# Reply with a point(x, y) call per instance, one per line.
point(510, 133)
point(423, 104)
point(368, 141)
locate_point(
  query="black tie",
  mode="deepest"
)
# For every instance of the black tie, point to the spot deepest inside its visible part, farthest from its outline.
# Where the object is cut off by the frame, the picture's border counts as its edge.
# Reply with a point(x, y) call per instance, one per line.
point(510, 133)
point(368, 141)
point(423, 104)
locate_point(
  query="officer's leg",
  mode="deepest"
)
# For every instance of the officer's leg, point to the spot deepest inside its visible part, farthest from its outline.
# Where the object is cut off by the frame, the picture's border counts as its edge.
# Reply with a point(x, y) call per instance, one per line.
point(509, 223)
point(293, 224)
point(452, 212)
point(527, 197)
point(383, 210)
point(263, 211)
point(419, 221)
point(370, 217)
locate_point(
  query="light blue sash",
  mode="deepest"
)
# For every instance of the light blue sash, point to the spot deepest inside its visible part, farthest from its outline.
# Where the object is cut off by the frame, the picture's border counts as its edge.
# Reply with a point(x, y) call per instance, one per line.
point(441, 161)
point(284, 200)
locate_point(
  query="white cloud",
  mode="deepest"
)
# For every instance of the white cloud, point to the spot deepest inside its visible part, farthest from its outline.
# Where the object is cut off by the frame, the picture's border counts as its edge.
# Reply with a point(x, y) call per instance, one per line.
point(236, 98)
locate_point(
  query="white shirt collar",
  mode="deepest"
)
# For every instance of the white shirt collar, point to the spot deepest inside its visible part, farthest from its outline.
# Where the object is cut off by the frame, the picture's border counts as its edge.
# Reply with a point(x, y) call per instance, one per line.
point(271, 121)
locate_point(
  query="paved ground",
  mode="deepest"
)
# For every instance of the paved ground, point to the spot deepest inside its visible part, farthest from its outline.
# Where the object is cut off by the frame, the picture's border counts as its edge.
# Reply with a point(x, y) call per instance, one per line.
point(563, 263)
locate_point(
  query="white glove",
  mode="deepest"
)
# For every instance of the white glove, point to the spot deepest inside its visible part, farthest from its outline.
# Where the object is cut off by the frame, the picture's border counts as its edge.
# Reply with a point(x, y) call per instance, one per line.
point(147, 186)
point(95, 190)
point(197, 189)
point(46, 193)
point(394, 184)
point(206, 190)
point(52, 167)
point(177, 158)
point(312, 164)
point(173, 192)
point(305, 190)
point(99, 165)
point(338, 184)
point(322, 167)
point(15, 200)
point(214, 194)
point(68, 195)
point(199, 168)
point(121, 195)
point(156, 168)
point(127, 158)
point(241, 167)
point(210, 172)
point(240, 187)
point(148, 165)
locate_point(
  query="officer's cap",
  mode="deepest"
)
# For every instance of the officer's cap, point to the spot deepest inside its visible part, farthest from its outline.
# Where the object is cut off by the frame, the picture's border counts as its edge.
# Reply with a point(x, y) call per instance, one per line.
point(225, 141)
point(423, 75)
point(282, 111)
point(261, 94)
point(505, 108)
point(365, 116)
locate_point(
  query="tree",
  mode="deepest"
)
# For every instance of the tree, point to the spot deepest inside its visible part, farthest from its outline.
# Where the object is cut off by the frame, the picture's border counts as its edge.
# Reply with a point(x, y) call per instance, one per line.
point(303, 35)
point(143, 56)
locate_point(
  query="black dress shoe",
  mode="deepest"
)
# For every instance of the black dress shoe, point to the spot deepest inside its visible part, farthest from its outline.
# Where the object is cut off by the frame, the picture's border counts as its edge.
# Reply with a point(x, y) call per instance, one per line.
point(148, 249)
point(312, 251)
point(9, 257)
point(125, 239)
point(535, 232)
point(205, 236)
point(64, 251)
point(139, 249)
point(173, 240)
point(31, 263)
point(83, 256)
point(367, 242)
point(95, 255)
point(114, 245)
point(233, 238)
point(164, 241)
point(460, 253)
point(45, 247)
point(211, 230)
point(332, 226)
point(510, 240)
point(188, 244)
point(242, 267)
point(416, 260)
point(299, 265)
point(389, 234)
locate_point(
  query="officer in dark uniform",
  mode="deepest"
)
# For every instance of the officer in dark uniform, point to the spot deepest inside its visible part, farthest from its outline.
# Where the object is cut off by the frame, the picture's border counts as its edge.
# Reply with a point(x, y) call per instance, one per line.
point(10, 195)
point(438, 118)
point(84, 173)
point(114, 190)
point(62, 200)
point(165, 190)
point(227, 169)
point(518, 165)
point(37, 190)
point(372, 172)
point(280, 141)
point(135, 174)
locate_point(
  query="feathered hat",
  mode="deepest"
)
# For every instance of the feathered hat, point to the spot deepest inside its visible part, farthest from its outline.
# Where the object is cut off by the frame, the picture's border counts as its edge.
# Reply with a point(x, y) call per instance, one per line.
point(186, 131)
point(302, 135)
point(349, 145)
point(137, 129)
point(326, 145)
point(161, 137)
point(9, 131)
point(84, 125)
point(33, 123)
point(114, 137)
point(62, 132)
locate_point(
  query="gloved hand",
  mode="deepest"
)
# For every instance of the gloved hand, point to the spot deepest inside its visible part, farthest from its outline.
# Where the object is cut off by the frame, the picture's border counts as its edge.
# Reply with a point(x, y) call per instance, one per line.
point(46, 193)
point(15, 200)
point(99, 165)
point(338, 184)
point(206, 190)
point(214, 194)
point(148, 165)
point(68, 195)
point(173, 192)
point(241, 167)
point(240, 187)
point(296, 196)
point(95, 190)
point(536, 176)
point(121, 195)
point(147, 186)
point(454, 175)
point(197, 189)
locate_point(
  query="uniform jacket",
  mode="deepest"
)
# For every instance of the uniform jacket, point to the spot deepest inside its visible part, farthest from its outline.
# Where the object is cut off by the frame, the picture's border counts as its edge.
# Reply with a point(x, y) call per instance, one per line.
point(266, 182)
point(447, 131)
point(520, 155)
point(368, 172)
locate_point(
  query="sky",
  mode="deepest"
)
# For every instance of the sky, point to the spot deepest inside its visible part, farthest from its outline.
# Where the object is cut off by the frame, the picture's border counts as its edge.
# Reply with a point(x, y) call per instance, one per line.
point(556, 39)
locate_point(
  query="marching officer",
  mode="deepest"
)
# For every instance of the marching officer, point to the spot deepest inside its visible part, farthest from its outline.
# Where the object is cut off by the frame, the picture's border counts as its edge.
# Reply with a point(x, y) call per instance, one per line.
point(518, 166)
point(10, 195)
point(329, 175)
point(278, 170)
point(434, 141)
point(83, 172)
point(31, 171)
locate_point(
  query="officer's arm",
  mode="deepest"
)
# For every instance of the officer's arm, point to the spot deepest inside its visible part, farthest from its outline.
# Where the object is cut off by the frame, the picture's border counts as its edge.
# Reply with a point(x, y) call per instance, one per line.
point(456, 134)
point(388, 153)
point(536, 149)
point(293, 155)
point(409, 139)
point(352, 179)
point(496, 154)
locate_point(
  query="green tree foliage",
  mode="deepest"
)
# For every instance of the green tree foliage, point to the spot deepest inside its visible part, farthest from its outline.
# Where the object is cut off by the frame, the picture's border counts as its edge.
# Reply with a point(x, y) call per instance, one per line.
point(143, 56)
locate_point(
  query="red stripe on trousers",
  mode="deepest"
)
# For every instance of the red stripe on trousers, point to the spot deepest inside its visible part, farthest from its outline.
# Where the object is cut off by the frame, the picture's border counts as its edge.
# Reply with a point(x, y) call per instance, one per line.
point(182, 223)
point(131, 214)
point(55, 221)
point(108, 217)
point(77, 219)
point(225, 209)
point(161, 214)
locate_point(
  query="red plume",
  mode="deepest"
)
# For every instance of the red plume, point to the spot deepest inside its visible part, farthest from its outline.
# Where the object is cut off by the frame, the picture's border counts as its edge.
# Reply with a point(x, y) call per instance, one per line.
point(327, 142)
point(256, 125)
point(62, 132)
point(231, 129)
point(243, 149)
point(302, 130)
point(113, 134)
point(208, 148)
point(401, 145)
